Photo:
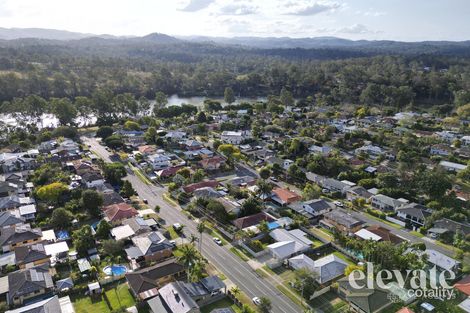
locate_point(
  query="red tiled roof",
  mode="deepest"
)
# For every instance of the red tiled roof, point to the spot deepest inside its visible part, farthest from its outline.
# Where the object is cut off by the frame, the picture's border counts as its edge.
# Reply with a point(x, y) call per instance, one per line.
point(120, 211)
point(252, 220)
point(464, 285)
point(214, 160)
point(169, 171)
point(207, 183)
point(405, 310)
point(286, 195)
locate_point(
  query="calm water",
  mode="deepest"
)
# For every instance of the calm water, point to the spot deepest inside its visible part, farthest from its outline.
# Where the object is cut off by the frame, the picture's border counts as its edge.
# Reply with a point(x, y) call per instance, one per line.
point(49, 120)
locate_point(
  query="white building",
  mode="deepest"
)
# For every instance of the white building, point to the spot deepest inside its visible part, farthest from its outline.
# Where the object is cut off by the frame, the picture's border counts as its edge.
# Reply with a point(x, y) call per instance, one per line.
point(159, 161)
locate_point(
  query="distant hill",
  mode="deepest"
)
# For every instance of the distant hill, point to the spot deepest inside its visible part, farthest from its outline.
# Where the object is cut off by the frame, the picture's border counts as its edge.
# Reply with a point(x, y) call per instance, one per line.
point(44, 33)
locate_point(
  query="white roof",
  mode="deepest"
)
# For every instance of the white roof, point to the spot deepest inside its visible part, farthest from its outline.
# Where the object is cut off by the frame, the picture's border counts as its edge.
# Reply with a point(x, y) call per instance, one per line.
point(56, 248)
point(122, 232)
point(83, 264)
point(94, 286)
point(27, 209)
point(66, 305)
point(49, 235)
point(302, 261)
point(367, 235)
point(453, 165)
point(283, 249)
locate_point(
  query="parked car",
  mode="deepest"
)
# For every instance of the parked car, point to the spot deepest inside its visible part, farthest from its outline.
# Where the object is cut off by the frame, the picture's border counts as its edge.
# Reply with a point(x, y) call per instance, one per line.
point(339, 204)
point(217, 241)
point(256, 300)
point(274, 179)
point(145, 201)
point(177, 226)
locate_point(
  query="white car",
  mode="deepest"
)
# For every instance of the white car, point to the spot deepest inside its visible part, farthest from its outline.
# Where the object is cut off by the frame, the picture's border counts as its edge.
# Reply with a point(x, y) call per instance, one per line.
point(217, 241)
point(177, 226)
point(256, 300)
point(339, 203)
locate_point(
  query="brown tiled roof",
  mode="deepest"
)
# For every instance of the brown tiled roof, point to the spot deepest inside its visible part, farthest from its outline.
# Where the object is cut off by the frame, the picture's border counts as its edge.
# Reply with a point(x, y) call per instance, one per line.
point(252, 220)
point(385, 234)
point(120, 211)
point(286, 195)
point(207, 183)
point(464, 285)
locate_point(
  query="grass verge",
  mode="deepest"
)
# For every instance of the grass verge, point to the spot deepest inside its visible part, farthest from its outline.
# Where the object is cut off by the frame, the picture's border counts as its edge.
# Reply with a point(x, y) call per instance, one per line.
point(240, 254)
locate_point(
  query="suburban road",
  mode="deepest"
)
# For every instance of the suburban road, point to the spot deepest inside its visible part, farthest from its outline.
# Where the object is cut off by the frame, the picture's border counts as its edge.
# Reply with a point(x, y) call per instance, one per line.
point(238, 271)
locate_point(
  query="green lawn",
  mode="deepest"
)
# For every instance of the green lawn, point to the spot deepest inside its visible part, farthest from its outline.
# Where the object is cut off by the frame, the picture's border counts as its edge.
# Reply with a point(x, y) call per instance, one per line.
point(172, 232)
point(343, 257)
point(322, 233)
point(417, 234)
point(223, 303)
point(240, 254)
point(111, 299)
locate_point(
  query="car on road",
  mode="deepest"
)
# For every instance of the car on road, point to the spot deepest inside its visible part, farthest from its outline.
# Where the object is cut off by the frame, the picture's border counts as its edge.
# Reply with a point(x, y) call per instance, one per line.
point(217, 241)
point(145, 201)
point(256, 300)
point(177, 226)
point(339, 204)
point(173, 243)
point(274, 179)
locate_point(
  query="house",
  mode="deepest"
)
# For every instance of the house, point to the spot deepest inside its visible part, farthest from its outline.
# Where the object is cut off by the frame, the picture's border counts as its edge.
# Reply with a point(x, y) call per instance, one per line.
point(115, 213)
point(385, 234)
point(175, 136)
point(414, 214)
point(288, 243)
point(13, 202)
point(159, 161)
point(385, 203)
point(284, 196)
point(233, 137)
point(440, 149)
point(11, 238)
point(465, 140)
point(317, 207)
point(370, 150)
point(327, 268)
point(342, 221)
point(323, 150)
point(252, 220)
point(31, 256)
point(207, 183)
point(144, 283)
point(230, 206)
point(206, 192)
point(28, 212)
point(452, 167)
point(49, 305)
point(111, 197)
point(122, 232)
point(8, 189)
point(441, 261)
point(28, 284)
point(192, 145)
point(168, 172)
point(149, 247)
point(194, 295)
point(137, 224)
point(334, 185)
point(8, 220)
point(463, 285)
point(284, 163)
point(81, 167)
point(63, 285)
point(213, 163)
point(147, 150)
point(358, 192)
point(173, 298)
point(451, 226)
point(364, 300)
point(92, 179)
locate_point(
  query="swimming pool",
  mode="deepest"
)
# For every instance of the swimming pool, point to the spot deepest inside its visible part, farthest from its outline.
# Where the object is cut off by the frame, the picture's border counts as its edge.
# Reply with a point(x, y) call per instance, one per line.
point(115, 270)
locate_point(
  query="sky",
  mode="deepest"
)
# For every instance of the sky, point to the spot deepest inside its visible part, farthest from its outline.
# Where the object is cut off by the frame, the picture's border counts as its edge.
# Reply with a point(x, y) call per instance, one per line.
point(406, 20)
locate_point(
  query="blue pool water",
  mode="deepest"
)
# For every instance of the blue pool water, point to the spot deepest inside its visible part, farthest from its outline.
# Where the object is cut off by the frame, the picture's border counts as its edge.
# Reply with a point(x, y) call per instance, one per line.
point(115, 270)
point(273, 225)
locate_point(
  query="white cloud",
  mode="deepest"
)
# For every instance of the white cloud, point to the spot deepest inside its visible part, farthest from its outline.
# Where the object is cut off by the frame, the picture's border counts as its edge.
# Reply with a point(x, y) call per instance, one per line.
point(316, 8)
point(196, 5)
point(356, 29)
point(238, 9)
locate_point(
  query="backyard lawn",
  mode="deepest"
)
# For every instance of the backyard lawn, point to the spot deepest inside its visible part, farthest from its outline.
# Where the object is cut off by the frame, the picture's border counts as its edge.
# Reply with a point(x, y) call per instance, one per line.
point(111, 299)
point(223, 303)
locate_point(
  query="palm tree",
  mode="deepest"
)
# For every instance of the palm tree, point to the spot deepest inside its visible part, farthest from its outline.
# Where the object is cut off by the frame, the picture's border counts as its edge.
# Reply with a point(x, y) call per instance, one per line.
point(201, 227)
point(193, 239)
point(241, 235)
point(264, 189)
point(189, 257)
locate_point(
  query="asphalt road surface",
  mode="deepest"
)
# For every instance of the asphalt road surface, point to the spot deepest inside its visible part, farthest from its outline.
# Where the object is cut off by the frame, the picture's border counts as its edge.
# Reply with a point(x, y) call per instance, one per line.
point(238, 271)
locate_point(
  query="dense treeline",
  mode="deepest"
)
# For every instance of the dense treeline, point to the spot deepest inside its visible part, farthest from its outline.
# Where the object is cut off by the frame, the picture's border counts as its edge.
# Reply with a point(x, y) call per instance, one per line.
point(70, 70)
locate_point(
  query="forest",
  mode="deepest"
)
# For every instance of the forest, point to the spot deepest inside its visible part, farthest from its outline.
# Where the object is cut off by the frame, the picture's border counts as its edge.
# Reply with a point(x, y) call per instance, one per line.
point(421, 76)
